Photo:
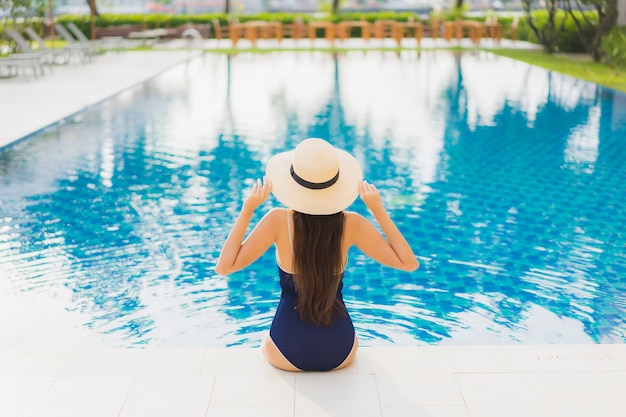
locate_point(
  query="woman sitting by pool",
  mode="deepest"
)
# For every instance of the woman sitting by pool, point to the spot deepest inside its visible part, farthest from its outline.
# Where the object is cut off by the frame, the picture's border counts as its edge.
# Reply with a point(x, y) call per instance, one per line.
point(312, 330)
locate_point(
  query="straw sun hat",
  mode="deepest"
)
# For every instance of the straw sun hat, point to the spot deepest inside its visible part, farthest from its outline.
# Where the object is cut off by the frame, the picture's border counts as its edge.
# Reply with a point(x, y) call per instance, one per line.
point(315, 178)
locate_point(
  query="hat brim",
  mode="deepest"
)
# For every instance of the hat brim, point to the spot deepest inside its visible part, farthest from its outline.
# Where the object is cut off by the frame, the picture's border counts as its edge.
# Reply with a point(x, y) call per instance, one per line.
point(329, 200)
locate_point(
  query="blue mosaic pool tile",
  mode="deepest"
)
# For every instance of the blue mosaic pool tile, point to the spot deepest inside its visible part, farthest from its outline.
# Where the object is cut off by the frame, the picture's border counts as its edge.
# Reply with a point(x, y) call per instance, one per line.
point(509, 217)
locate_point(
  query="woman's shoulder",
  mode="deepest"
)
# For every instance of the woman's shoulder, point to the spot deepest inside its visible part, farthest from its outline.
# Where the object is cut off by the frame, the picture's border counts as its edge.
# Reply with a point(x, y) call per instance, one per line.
point(353, 216)
point(354, 220)
point(277, 213)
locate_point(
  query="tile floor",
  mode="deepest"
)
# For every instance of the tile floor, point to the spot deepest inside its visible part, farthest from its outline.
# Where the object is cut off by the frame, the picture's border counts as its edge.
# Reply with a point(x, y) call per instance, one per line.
point(433, 381)
point(468, 381)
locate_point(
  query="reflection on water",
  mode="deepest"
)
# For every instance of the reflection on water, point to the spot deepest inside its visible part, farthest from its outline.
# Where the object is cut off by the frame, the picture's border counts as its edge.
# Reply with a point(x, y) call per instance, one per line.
point(507, 180)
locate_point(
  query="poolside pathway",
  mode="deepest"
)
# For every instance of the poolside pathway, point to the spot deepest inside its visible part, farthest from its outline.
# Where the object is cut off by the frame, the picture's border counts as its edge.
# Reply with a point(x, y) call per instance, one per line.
point(28, 104)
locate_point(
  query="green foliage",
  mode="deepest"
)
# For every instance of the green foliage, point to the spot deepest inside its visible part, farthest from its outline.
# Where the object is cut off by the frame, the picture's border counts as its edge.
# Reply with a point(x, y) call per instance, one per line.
point(160, 20)
point(568, 40)
point(614, 47)
point(382, 15)
point(456, 12)
point(18, 9)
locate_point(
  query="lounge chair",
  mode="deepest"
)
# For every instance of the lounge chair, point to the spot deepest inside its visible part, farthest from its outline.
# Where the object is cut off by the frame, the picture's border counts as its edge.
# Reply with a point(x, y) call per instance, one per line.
point(61, 55)
point(87, 50)
point(45, 58)
point(25, 59)
point(48, 56)
point(115, 43)
point(16, 62)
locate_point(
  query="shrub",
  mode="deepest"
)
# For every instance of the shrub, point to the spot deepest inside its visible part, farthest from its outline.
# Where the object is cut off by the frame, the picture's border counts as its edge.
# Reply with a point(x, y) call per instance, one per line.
point(614, 47)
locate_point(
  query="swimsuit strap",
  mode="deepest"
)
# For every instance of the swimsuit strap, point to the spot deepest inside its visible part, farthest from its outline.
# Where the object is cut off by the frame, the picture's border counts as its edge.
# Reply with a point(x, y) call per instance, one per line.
point(289, 229)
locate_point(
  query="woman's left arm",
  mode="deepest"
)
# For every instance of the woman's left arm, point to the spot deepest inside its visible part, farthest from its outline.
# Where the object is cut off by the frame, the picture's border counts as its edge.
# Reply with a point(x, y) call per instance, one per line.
point(237, 253)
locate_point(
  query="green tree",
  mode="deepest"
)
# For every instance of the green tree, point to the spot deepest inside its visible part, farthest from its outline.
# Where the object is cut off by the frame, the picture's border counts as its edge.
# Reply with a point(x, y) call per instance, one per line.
point(22, 9)
point(93, 8)
point(547, 32)
point(592, 30)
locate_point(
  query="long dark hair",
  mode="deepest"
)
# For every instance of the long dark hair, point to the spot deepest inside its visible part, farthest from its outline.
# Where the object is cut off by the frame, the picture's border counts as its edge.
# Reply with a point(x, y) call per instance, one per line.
point(318, 265)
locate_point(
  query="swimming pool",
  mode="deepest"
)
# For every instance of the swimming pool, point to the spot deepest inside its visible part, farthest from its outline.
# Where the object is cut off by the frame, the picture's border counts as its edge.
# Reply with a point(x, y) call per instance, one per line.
point(507, 180)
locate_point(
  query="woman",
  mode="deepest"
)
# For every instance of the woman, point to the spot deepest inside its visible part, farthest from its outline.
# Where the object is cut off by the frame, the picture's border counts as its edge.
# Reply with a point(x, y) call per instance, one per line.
point(312, 329)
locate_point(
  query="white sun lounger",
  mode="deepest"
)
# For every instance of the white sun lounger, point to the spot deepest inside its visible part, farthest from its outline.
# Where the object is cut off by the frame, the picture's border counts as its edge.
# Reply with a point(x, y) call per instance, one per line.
point(61, 55)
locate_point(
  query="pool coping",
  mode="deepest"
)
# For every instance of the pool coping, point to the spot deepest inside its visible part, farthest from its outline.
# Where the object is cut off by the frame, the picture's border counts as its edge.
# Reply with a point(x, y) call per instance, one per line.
point(451, 381)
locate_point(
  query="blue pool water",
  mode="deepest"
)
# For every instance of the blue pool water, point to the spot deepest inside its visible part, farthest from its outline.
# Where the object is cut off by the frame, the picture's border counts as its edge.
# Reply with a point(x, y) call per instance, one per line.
point(507, 180)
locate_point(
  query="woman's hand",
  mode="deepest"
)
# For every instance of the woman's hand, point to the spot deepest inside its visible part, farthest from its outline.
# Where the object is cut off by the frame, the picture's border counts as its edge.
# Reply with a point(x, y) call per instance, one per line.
point(370, 196)
point(237, 253)
point(259, 193)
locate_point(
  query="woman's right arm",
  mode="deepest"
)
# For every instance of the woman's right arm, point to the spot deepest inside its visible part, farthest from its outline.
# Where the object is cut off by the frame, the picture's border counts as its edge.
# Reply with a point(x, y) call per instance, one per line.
point(238, 253)
point(394, 251)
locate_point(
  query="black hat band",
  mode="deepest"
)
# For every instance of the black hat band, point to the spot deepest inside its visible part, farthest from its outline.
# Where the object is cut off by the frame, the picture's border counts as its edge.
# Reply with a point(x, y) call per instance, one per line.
point(313, 185)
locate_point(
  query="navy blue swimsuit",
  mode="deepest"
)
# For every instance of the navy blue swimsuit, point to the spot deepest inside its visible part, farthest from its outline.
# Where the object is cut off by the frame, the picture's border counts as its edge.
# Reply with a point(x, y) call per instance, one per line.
point(306, 346)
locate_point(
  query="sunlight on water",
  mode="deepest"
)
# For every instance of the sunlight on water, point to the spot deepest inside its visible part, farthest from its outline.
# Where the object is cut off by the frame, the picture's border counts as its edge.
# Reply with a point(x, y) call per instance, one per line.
point(507, 180)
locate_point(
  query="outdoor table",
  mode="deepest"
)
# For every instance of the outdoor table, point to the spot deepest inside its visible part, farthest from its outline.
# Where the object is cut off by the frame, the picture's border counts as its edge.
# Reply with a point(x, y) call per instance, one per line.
point(326, 26)
point(344, 28)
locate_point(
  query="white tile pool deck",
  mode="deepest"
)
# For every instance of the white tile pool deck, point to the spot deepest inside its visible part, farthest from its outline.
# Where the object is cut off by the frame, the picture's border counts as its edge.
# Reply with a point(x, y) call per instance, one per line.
point(429, 381)
point(464, 381)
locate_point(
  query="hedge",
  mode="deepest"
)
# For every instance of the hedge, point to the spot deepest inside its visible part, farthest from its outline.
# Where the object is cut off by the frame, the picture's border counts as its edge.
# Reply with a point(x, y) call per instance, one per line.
point(614, 47)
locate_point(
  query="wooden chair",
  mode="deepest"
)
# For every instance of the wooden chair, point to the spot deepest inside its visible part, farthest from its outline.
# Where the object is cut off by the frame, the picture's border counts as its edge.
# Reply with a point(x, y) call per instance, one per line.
point(410, 28)
point(513, 30)
point(296, 29)
point(328, 28)
point(346, 28)
point(473, 30)
point(435, 28)
point(384, 28)
point(219, 31)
